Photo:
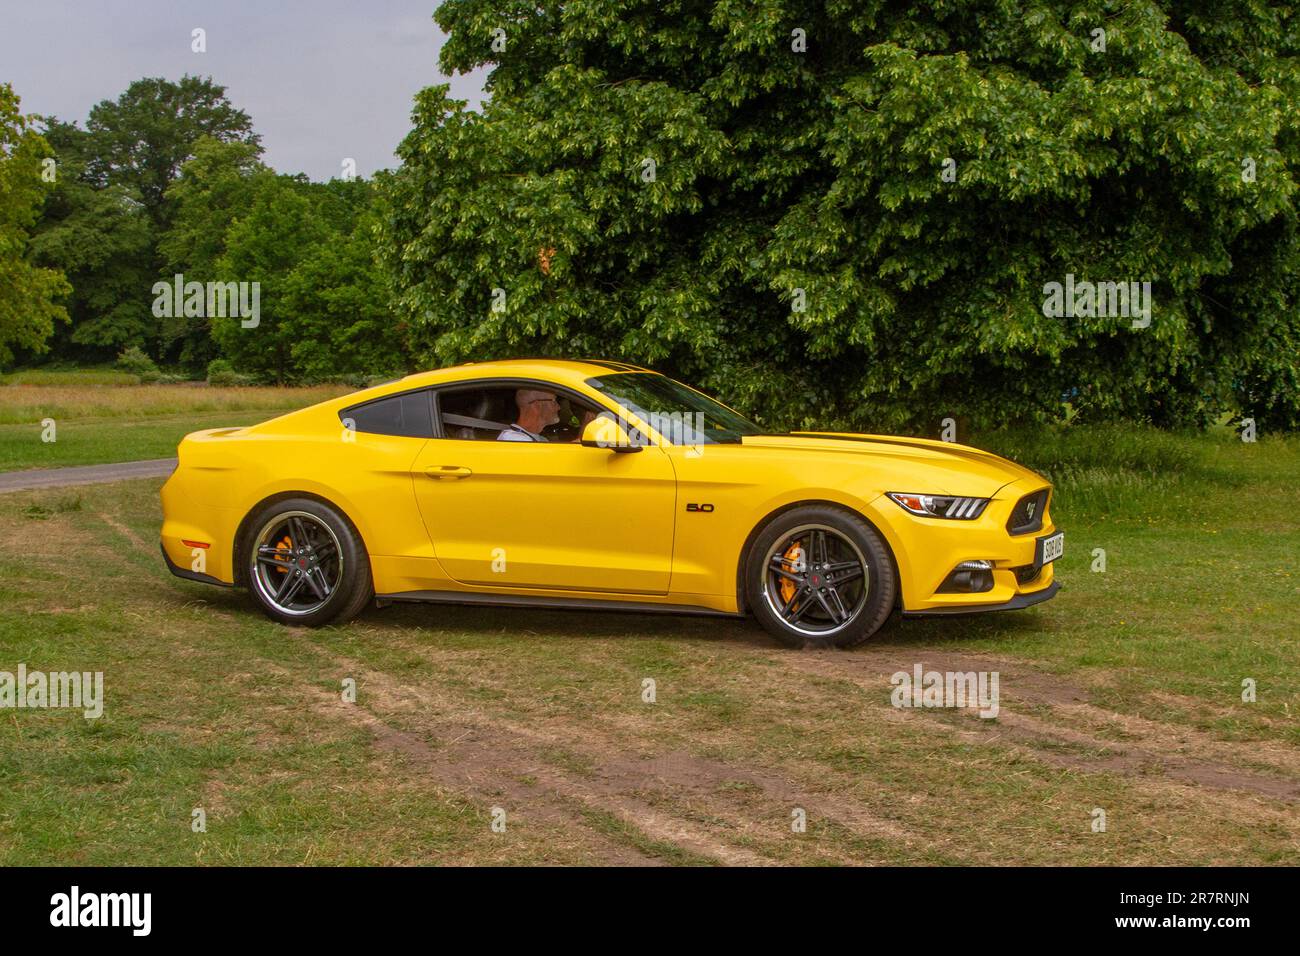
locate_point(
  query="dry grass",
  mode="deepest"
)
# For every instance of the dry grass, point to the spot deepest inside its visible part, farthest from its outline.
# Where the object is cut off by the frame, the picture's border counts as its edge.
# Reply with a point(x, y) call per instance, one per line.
point(28, 404)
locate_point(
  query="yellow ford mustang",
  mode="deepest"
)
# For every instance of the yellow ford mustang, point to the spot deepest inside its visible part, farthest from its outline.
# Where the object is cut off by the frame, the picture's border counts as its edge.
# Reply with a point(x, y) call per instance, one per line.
point(600, 485)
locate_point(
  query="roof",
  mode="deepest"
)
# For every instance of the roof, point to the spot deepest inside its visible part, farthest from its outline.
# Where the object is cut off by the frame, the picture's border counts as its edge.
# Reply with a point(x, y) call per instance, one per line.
point(522, 368)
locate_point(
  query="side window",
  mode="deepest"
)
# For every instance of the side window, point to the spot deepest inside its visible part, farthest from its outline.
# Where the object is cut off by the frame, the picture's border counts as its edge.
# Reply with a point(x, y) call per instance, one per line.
point(574, 413)
point(483, 413)
point(406, 415)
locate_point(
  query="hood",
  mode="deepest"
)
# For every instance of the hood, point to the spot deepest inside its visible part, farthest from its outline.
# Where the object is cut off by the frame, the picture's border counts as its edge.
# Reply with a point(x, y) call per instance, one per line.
point(926, 465)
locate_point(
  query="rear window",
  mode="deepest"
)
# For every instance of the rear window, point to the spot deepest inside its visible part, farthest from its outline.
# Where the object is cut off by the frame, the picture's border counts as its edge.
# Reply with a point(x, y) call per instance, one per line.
point(407, 415)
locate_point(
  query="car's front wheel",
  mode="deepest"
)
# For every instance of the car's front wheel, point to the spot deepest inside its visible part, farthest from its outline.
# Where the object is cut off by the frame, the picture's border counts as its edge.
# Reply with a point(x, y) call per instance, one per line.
point(305, 564)
point(819, 576)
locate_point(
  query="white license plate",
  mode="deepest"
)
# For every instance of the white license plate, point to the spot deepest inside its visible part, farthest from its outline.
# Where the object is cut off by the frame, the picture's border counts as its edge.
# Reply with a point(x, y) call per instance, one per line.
point(1051, 548)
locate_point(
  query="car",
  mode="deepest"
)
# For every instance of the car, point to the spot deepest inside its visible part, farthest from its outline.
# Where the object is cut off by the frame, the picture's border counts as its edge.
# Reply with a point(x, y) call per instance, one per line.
point(604, 486)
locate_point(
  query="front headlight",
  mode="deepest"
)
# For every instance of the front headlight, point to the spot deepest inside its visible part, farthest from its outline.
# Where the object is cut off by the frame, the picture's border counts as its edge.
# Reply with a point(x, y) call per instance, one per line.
point(940, 506)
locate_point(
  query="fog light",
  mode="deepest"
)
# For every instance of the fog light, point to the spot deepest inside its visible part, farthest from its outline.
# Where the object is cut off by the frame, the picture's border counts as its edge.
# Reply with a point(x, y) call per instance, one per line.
point(969, 577)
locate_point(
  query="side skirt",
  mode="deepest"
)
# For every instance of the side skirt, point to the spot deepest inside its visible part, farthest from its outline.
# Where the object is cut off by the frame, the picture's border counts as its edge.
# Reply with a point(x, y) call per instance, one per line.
point(521, 600)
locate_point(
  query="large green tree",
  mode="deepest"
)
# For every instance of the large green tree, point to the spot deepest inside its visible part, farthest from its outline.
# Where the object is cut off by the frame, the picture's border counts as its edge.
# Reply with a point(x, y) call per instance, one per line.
point(310, 248)
point(100, 238)
point(335, 309)
point(143, 138)
point(30, 296)
point(112, 208)
point(214, 190)
point(263, 246)
point(849, 212)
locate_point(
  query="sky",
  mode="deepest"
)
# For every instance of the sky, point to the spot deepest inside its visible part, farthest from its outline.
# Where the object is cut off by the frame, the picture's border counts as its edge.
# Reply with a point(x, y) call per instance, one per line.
point(322, 81)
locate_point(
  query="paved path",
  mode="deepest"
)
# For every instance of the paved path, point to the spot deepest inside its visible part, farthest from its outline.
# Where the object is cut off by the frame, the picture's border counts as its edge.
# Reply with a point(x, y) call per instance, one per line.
point(85, 474)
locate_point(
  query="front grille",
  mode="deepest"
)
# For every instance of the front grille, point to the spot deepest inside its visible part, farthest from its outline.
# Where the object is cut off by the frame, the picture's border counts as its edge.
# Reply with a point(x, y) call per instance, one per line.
point(1027, 515)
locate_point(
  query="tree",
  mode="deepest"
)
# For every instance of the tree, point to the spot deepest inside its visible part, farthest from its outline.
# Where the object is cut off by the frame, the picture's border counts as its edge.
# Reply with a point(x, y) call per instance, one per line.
point(141, 139)
point(324, 308)
point(309, 248)
point(264, 246)
point(214, 190)
point(336, 311)
point(29, 294)
point(101, 240)
point(113, 206)
point(850, 213)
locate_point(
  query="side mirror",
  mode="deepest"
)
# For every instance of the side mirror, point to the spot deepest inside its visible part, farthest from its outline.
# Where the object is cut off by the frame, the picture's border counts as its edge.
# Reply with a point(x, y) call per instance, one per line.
point(604, 432)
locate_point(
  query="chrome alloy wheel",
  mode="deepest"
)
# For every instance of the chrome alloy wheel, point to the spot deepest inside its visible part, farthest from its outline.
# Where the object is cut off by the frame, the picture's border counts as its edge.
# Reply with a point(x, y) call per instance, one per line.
point(296, 563)
point(815, 580)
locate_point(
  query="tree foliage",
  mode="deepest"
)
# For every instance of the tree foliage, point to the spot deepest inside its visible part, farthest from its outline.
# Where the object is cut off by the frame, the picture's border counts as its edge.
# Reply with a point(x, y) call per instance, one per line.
point(141, 139)
point(847, 212)
point(168, 180)
point(110, 212)
point(322, 301)
point(30, 296)
point(215, 189)
point(99, 238)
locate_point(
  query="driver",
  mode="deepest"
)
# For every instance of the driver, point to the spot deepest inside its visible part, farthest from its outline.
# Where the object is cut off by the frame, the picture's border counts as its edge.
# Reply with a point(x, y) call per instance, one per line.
point(537, 409)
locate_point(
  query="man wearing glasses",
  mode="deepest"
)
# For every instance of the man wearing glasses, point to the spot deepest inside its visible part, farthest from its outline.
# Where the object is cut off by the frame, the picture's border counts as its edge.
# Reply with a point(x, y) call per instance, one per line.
point(537, 409)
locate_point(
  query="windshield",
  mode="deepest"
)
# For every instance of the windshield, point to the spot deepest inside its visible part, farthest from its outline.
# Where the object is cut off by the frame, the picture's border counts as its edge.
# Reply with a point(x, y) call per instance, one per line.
point(681, 415)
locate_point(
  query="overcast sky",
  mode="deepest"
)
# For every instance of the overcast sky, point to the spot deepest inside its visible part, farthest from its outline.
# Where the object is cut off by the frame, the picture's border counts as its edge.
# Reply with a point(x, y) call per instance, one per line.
point(322, 80)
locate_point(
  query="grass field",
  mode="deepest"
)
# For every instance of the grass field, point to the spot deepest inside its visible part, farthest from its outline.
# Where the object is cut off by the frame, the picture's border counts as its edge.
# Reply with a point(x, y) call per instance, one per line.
point(70, 377)
point(1123, 694)
point(102, 421)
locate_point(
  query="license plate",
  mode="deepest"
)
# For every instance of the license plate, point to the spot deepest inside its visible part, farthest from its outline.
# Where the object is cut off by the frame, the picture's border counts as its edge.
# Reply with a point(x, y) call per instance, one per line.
point(1050, 548)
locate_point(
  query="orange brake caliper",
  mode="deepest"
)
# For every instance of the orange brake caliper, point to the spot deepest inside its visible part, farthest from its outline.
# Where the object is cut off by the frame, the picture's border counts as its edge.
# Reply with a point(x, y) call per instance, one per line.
point(285, 545)
point(791, 562)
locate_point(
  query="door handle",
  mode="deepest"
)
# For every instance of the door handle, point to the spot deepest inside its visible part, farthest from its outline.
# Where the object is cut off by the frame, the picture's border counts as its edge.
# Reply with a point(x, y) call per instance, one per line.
point(448, 471)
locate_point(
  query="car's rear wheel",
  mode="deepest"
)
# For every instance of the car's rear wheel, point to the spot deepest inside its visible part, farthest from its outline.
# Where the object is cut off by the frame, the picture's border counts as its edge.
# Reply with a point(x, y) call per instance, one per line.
point(305, 564)
point(819, 576)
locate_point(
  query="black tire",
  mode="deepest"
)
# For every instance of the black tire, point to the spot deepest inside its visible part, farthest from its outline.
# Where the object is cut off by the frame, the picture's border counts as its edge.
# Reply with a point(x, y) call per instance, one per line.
point(322, 576)
point(804, 598)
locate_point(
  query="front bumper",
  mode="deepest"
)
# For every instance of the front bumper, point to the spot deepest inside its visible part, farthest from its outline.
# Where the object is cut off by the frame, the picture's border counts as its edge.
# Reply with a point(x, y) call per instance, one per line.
point(1027, 599)
point(930, 549)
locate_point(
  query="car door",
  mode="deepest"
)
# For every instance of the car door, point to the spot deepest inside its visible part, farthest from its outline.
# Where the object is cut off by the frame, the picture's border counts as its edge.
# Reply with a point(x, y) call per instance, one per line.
point(547, 515)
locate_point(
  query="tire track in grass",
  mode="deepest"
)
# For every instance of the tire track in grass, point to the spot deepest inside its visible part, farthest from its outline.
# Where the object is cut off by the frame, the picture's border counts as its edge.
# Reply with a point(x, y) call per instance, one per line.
point(1181, 753)
point(136, 541)
point(494, 762)
point(454, 770)
point(495, 775)
point(631, 788)
point(675, 773)
point(1163, 749)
